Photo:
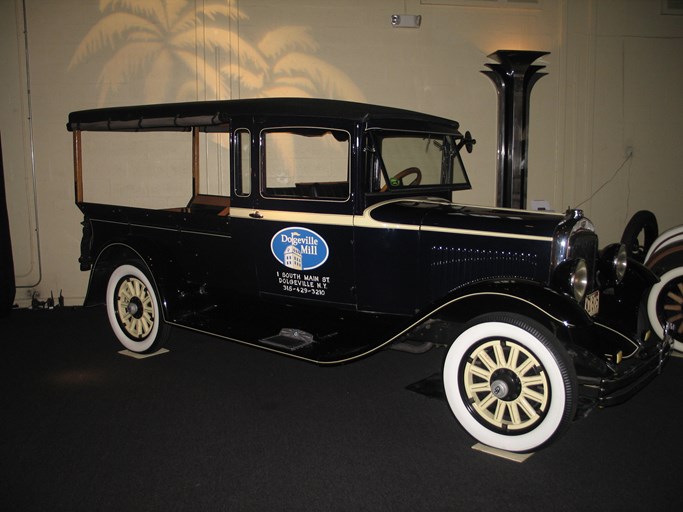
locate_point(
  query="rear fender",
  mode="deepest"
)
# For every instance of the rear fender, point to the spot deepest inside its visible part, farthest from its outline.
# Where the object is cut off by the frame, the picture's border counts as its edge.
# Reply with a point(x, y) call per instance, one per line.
point(151, 257)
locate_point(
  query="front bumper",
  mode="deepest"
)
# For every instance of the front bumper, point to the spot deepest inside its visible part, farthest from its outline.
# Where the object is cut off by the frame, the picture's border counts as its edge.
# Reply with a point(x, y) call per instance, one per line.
point(629, 377)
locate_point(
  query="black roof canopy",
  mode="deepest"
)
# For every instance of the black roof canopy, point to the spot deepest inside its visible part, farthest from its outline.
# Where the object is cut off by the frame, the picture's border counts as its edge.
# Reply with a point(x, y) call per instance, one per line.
point(183, 116)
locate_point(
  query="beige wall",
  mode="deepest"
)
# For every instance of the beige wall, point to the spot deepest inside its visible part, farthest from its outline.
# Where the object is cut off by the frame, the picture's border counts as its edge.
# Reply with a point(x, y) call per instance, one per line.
point(622, 92)
point(614, 74)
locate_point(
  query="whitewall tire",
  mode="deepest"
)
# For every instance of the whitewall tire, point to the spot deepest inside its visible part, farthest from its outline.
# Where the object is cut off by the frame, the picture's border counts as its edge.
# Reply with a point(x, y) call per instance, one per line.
point(510, 383)
point(133, 310)
point(665, 305)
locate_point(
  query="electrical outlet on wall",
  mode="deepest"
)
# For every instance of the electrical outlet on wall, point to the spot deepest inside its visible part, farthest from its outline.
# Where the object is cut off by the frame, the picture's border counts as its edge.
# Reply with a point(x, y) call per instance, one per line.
point(540, 205)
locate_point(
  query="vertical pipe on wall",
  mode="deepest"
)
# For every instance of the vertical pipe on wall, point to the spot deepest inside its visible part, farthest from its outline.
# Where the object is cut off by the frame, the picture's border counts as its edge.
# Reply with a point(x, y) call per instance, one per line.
point(32, 147)
point(514, 76)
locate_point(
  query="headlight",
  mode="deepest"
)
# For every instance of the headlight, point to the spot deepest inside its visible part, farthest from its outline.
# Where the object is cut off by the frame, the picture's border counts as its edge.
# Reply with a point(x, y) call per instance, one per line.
point(620, 263)
point(571, 277)
point(613, 264)
point(579, 280)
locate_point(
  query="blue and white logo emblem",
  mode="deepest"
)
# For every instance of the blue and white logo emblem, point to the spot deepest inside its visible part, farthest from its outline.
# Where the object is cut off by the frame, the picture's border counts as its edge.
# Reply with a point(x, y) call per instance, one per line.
point(299, 248)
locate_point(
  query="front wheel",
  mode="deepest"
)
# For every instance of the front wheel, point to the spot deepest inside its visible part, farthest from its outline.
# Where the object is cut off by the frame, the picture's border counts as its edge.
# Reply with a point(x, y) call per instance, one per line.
point(133, 310)
point(510, 383)
point(665, 305)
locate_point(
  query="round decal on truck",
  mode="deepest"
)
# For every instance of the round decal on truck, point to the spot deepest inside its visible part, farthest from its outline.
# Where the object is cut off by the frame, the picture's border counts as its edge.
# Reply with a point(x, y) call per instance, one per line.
point(299, 248)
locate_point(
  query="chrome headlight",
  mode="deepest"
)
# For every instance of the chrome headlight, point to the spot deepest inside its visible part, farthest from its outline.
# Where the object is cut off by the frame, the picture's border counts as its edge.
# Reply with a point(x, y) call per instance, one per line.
point(620, 263)
point(571, 277)
point(613, 263)
point(579, 280)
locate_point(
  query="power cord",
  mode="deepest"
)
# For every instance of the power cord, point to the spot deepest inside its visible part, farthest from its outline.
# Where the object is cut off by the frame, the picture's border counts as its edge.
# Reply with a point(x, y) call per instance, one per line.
point(616, 173)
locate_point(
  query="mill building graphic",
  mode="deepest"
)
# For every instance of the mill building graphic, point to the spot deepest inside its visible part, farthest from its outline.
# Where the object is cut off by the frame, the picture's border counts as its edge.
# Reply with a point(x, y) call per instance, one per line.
point(292, 256)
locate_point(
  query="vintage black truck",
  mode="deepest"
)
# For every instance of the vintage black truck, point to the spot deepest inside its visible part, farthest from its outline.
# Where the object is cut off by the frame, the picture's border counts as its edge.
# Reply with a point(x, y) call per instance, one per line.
point(326, 230)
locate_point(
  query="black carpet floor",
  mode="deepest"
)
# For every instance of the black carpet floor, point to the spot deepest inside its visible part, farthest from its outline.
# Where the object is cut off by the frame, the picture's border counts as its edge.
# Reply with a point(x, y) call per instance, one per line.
point(212, 425)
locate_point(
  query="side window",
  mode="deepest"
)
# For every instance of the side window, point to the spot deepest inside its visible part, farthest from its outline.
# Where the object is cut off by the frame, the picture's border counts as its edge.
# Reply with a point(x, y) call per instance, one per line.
point(214, 164)
point(305, 163)
point(148, 169)
point(242, 161)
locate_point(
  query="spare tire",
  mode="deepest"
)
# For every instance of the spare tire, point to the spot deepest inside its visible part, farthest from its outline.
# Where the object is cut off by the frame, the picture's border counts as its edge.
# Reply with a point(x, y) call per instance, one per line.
point(643, 222)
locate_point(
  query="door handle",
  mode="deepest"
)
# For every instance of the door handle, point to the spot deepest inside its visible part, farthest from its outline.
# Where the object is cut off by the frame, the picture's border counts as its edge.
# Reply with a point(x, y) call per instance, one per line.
point(256, 215)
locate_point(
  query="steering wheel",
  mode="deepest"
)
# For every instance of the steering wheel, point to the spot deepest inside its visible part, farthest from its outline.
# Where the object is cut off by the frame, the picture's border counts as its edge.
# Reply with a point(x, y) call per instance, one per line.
point(398, 178)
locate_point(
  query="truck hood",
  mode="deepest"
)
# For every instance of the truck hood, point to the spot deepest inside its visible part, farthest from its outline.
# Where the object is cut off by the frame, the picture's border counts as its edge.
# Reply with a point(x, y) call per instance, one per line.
point(433, 214)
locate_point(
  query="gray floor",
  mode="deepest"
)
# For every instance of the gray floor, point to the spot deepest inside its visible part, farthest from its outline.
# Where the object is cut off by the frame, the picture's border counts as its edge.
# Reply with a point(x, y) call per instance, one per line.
point(211, 425)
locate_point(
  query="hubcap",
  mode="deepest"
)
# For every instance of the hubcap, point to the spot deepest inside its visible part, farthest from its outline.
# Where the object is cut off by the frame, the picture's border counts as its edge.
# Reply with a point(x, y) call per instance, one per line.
point(499, 389)
point(134, 307)
point(505, 386)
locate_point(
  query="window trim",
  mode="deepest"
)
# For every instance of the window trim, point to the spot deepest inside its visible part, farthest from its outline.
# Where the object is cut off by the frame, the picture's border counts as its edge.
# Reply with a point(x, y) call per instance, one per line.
point(378, 168)
point(237, 177)
point(293, 129)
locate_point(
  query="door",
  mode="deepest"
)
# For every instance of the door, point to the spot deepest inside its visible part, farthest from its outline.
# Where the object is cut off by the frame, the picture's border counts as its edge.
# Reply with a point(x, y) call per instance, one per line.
point(302, 223)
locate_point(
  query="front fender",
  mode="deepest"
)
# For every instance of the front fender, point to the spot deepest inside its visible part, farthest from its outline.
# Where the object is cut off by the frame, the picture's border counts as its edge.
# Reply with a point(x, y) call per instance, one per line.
point(594, 346)
point(554, 310)
point(588, 342)
point(638, 277)
point(623, 306)
point(669, 257)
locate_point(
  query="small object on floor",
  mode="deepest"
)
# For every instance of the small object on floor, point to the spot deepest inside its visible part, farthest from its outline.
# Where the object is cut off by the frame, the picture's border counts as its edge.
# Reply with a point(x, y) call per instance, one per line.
point(49, 303)
point(514, 457)
point(135, 355)
point(290, 339)
point(35, 303)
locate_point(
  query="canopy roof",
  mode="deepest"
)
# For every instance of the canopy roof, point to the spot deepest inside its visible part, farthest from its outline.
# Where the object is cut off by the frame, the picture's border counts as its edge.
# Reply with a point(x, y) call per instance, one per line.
point(183, 116)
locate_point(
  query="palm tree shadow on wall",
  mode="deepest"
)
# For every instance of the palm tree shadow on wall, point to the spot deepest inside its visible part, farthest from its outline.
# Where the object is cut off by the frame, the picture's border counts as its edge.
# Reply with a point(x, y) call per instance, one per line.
point(183, 50)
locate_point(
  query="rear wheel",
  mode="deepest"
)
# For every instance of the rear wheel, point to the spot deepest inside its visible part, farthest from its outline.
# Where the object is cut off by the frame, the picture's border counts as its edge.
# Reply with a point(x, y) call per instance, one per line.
point(510, 383)
point(133, 310)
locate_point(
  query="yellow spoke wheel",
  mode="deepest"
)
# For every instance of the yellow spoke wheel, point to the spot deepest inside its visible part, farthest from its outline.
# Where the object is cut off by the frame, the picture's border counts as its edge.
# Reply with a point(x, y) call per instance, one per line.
point(133, 310)
point(510, 382)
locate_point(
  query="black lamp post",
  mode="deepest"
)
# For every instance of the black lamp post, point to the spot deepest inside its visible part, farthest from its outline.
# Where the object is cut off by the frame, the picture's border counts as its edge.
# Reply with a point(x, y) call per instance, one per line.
point(514, 76)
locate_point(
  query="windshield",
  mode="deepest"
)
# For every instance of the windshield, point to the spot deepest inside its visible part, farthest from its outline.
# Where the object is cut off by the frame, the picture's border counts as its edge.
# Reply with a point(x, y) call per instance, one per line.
point(412, 160)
